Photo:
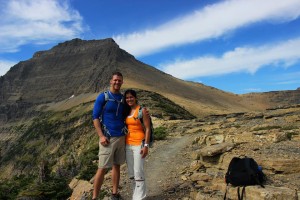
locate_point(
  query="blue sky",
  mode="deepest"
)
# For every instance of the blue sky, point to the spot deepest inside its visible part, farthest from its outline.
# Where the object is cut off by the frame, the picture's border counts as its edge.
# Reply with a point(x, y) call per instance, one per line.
point(238, 46)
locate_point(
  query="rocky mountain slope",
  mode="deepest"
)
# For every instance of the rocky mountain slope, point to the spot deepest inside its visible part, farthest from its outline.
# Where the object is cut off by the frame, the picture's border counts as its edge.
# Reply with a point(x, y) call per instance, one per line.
point(79, 67)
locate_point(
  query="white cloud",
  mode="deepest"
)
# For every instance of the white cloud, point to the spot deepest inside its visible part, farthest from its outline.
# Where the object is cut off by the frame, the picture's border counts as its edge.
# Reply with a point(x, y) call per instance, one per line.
point(5, 66)
point(240, 59)
point(43, 21)
point(211, 22)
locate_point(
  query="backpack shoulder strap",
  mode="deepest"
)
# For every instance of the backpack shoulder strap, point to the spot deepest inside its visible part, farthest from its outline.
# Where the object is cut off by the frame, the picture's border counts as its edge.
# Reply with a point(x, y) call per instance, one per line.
point(106, 96)
point(140, 114)
point(241, 195)
point(106, 99)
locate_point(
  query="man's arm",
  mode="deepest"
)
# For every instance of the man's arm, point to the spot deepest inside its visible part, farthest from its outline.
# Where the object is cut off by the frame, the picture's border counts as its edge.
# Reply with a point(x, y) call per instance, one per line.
point(97, 111)
point(103, 140)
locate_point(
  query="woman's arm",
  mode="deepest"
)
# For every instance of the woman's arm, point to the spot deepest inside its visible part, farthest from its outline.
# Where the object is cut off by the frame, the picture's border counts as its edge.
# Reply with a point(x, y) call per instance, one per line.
point(147, 125)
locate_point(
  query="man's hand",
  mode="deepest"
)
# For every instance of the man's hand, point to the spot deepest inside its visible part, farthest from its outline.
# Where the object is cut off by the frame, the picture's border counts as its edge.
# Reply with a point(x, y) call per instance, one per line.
point(104, 141)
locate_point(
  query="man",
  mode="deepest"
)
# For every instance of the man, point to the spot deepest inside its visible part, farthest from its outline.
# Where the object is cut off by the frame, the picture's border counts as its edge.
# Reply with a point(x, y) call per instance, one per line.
point(108, 120)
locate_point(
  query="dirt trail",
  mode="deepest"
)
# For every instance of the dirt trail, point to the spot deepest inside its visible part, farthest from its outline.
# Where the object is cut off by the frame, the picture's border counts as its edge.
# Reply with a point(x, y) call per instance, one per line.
point(162, 166)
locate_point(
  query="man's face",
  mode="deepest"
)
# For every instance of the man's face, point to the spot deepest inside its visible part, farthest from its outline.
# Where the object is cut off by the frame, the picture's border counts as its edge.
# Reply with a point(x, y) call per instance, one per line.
point(116, 82)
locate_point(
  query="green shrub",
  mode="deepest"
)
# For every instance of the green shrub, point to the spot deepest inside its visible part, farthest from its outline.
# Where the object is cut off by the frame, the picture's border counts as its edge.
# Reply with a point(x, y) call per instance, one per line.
point(9, 188)
point(289, 136)
point(53, 188)
point(88, 168)
point(160, 133)
point(289, 128)
point(266, 128)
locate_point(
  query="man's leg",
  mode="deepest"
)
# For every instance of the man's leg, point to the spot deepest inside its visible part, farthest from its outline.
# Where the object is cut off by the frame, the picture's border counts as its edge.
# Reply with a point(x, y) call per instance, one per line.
point(98, 181)
point(115, 178)
point(119, 158)
point(129, 162)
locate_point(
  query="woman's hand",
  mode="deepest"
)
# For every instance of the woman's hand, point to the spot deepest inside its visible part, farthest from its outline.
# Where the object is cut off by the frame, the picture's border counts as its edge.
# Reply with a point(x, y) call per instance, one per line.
point(144, 152)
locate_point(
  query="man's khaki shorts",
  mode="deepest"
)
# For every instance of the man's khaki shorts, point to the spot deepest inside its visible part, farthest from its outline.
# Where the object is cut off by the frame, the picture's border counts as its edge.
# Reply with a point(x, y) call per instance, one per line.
point(113, 154)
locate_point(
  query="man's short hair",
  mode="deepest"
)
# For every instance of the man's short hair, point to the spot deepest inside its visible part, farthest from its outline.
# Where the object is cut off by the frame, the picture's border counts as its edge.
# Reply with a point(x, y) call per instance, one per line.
point(117, 73)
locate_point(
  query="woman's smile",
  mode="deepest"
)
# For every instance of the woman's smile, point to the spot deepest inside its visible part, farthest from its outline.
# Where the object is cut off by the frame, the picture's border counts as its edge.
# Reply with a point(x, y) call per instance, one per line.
point(130, 100)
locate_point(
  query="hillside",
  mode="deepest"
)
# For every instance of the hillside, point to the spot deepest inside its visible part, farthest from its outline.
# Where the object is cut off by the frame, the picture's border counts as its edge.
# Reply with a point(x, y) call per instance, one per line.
point(41, 155)
point(80, 67)
point(273, 99)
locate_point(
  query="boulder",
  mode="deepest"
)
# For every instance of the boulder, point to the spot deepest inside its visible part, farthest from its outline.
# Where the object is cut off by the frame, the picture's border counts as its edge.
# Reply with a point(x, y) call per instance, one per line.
point(255, 192)
point(198, 176)
point(216, 149)
point(281, 165)
point(81, 189)
point(278, 137)
point(267, 193)
point(214, 139)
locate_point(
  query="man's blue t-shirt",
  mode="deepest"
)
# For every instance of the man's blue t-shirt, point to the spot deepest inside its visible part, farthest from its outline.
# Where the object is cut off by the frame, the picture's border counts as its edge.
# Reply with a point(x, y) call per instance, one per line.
point(112, 114)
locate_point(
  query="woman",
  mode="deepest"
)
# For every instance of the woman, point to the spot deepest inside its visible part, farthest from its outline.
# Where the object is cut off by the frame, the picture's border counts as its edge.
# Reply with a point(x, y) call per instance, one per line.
point(137, 144)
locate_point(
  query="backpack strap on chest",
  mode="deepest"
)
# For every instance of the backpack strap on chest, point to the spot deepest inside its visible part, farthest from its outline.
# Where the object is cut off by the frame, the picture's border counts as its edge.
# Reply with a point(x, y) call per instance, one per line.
point(107, 95)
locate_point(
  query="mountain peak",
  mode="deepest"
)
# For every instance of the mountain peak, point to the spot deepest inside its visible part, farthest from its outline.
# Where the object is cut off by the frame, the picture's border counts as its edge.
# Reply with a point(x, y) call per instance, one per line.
point(77, 45)
point(72, 67)
point(79, 42)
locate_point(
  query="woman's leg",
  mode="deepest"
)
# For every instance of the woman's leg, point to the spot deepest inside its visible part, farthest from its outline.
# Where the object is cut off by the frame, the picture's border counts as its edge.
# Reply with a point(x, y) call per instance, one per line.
point(139, 176)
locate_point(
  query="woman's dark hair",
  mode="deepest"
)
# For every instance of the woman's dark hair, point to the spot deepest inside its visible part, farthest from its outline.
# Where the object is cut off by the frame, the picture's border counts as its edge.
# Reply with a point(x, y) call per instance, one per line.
point(130, 91)
point(126, 106)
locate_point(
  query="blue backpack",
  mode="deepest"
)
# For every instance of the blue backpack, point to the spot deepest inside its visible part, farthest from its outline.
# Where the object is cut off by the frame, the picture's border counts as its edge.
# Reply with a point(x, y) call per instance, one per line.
point(140, 117)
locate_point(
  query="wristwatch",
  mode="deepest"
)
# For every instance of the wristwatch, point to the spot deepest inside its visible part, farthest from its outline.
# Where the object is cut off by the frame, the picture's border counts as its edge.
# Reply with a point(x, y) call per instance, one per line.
point(146, 145)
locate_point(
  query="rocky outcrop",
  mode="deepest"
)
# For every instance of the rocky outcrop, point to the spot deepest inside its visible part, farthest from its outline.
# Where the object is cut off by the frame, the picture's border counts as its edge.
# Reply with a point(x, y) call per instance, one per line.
point(272, 141)
point(198, 172)
point(81, 189)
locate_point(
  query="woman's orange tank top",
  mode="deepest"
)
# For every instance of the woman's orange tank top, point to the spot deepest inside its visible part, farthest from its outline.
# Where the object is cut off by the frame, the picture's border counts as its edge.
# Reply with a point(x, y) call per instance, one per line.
point(135, 133)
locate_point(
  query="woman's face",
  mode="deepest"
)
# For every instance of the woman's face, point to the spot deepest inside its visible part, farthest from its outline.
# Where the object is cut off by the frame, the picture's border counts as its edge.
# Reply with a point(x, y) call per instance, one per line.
point(130, 99)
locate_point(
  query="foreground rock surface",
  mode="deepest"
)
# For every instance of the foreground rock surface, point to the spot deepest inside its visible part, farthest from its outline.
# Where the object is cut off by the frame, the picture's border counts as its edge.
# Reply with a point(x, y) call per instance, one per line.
point(192, 163)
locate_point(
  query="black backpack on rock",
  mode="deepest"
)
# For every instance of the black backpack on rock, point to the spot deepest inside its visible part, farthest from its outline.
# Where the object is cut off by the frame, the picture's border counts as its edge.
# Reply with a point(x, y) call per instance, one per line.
point(244, 172)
